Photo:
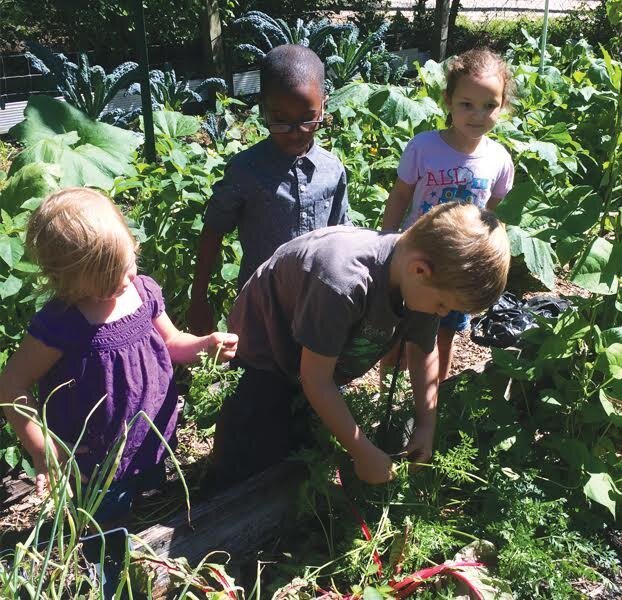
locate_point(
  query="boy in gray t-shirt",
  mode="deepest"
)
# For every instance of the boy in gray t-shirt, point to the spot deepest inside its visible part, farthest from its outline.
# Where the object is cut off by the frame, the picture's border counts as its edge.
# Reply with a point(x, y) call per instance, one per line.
point(280, 188)
point(327, 306)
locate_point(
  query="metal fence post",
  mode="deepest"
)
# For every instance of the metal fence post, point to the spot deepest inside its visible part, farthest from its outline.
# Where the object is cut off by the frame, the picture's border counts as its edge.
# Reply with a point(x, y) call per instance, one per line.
point(145, 87)
point(545, 27)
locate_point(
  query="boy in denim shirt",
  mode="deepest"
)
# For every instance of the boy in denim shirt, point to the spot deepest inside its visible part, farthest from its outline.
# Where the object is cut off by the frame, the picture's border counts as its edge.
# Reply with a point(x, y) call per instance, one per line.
point(282, 187)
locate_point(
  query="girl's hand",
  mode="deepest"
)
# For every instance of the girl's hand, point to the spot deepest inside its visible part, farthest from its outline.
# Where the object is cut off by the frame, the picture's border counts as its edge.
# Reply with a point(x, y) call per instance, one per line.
point(223, 345)
point(42, 481)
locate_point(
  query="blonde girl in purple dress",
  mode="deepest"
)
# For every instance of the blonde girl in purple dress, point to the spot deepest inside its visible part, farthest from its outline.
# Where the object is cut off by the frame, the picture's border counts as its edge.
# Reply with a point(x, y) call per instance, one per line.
point(106, 329)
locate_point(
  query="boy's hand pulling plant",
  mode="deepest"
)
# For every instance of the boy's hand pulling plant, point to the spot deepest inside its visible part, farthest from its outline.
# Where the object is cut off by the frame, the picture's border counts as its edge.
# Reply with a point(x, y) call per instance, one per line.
point(419, 447)
point(374, 466)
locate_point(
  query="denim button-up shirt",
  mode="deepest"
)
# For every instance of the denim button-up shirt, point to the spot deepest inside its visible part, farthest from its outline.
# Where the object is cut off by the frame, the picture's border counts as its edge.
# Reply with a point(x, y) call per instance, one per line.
point(272, 197)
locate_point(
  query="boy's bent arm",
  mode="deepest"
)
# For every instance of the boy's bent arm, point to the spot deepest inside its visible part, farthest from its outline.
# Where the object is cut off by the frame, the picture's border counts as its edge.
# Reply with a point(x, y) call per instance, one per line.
point(316, 373)
point(399, 199)
point(200, 314)
point(423, 368)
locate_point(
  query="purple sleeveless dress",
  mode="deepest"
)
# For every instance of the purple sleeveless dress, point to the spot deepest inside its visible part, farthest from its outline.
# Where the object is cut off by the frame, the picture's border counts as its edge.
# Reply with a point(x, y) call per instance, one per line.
point(125, 360)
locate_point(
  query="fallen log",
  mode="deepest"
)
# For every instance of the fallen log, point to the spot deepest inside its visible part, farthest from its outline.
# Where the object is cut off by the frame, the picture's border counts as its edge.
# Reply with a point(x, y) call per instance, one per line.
point(240, 521)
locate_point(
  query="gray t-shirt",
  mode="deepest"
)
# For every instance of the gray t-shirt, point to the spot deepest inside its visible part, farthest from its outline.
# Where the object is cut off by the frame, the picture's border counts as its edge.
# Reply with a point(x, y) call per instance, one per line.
point(328, 291)
point(273, 197)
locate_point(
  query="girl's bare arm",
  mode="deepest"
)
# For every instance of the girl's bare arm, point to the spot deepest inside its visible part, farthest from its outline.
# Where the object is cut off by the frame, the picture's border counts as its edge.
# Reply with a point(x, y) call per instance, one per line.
point(32, 360)
point(399, 199)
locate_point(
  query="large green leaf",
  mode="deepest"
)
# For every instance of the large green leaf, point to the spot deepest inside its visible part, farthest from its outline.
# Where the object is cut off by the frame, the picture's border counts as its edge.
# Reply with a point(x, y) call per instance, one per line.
point(356, 93)
point(36, 180)
point(519, 206)
point(610, 361)
point(11, 249)
point(392, 105)
point(89, 153)
point(613, 411)
point(600, 487)
point(594, 270)
point(174, 124)
point(539, 255)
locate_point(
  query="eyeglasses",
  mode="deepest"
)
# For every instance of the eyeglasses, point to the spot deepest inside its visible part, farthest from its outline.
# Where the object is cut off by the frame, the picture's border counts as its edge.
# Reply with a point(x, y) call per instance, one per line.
point(305, 126)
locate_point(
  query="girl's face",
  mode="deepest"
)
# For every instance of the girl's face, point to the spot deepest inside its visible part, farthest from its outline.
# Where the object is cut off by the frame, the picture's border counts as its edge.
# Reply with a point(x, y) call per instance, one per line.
point(475, 104)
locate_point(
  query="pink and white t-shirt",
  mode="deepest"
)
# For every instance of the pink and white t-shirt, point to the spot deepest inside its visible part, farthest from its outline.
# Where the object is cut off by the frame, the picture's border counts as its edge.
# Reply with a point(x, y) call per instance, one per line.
point(443, 174)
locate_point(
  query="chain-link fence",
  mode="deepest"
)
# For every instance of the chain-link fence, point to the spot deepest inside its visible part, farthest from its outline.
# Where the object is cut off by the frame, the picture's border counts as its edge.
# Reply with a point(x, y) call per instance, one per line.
point(504, 9)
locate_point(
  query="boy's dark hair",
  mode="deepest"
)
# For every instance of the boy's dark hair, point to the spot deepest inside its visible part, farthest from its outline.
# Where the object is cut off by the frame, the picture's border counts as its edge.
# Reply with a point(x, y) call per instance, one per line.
point(289, 66)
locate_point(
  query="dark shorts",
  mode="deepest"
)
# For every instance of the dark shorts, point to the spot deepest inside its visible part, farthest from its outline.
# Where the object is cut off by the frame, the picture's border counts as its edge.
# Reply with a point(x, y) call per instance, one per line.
point(261, 422)
point(455, 321)
point(120, 495)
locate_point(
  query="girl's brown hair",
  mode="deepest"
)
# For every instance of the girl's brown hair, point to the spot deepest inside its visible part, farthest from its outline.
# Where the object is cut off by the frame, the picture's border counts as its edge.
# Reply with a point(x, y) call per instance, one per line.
point(82, 244)
point(478, 62)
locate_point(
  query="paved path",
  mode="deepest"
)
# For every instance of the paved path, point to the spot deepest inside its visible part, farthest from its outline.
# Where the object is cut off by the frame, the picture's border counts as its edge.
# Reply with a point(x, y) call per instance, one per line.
point(505, 8)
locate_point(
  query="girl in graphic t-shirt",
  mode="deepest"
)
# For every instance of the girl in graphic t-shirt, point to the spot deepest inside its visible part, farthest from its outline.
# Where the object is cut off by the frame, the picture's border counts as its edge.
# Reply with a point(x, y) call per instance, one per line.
point(106, 330)
point(456, 164)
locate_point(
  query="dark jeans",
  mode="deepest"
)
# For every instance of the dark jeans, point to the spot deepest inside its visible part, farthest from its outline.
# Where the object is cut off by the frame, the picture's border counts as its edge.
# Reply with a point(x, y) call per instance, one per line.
point(259, 425)
point(118, 499)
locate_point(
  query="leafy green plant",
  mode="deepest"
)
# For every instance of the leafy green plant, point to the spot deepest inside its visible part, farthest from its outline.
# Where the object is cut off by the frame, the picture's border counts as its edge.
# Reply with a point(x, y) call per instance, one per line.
point(84, 152)
point(267, 33)
point(350, 56)
point(86, 87)
point(211, 384)
point(169, 93)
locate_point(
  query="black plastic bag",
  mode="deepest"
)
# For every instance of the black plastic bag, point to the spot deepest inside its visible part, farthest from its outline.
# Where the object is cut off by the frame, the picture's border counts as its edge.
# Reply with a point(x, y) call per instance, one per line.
point(504, 322)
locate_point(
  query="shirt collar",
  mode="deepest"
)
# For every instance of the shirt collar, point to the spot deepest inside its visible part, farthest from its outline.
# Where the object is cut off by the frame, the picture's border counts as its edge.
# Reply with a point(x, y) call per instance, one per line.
point(312, 155)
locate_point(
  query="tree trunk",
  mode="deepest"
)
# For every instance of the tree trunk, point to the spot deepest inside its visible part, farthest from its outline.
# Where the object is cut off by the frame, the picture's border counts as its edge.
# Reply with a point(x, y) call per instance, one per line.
point(453, 15)
point(211, 38)
point(442, 28)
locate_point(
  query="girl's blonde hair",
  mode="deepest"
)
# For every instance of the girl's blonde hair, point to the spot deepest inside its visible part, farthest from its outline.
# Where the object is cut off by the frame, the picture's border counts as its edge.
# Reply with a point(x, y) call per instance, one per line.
point(82, 244)
point(478, 62)
point(468, 251)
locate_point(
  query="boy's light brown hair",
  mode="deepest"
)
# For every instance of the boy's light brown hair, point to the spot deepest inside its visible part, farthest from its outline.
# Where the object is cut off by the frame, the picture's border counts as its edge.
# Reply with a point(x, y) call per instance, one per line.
point(468, 251)
point(82, 244)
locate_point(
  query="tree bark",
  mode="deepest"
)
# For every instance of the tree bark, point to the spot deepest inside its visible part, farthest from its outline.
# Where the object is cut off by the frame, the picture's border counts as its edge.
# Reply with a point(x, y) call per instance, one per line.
point(211, 38)
point(453, 15)
point(442, 29)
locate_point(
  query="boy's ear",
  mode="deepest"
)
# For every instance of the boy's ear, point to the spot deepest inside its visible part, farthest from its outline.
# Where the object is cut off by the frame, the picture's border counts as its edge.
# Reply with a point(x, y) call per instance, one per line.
point(420, 267)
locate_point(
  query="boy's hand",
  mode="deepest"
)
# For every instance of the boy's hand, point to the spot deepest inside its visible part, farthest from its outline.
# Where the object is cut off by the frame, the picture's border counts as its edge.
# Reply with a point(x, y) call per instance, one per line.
point(222, 344)
point(200, 317)
point(419, 447)
point(374, 466)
